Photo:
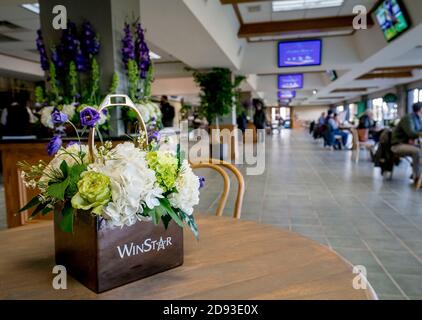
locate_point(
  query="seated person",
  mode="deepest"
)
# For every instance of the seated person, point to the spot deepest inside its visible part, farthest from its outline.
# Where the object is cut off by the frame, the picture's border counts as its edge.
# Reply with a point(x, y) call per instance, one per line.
point(333, 122)
point(405, 139)
point(366, 121)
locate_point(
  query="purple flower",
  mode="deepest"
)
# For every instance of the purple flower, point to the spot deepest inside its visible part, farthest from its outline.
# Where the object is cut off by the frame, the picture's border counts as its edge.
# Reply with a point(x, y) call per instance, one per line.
point(154, 136)
point(89, 117)
point(201, 182)
point(59, 117)
point(128, 49)
point(54, 145)
point(42, 51)
point(90, 44)
point(71, 143)
point(142, 52)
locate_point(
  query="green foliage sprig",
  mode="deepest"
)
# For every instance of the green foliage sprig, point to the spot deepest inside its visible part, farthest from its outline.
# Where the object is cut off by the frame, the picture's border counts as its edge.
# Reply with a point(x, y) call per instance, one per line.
point(133, 79)
point(114, 83)
point(53, 92)
point(73, 81)
point(95, 83)
point(39, 95)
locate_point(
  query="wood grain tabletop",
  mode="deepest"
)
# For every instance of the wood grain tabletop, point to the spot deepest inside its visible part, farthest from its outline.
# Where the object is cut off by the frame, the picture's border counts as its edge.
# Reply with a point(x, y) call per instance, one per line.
point(233, 259)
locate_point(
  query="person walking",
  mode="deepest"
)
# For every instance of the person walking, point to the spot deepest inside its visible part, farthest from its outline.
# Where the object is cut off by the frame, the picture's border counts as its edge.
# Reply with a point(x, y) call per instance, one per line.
point(168, 112)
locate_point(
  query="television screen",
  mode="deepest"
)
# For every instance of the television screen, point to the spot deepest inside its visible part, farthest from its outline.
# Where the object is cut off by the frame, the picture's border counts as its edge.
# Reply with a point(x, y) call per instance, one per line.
point(299, 53)
point(290, 81)
point(286, 94)
point(392, 18)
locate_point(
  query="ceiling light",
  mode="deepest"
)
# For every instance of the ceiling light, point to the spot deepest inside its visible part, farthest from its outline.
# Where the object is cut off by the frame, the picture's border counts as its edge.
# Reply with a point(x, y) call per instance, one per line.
point(289, 5)
point(33, 7)
point(154, 56)
point(314, 92)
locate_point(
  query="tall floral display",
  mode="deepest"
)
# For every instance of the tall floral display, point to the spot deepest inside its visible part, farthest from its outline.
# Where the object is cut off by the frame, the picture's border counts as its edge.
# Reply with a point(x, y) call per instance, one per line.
point(140, 73)
point(72, 74)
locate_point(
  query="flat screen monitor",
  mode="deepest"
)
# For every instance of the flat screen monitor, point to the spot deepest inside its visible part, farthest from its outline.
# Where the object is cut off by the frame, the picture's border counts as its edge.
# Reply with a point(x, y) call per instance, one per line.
point(286, 94)
point(392, 18)
point(290, 81)
point(299, 53)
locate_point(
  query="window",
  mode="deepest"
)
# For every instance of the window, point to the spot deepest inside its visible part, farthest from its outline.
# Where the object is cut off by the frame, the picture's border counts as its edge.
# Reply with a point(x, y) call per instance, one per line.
point(353, 110)
point(340, 109)
point(383, 111)
point(377, 108)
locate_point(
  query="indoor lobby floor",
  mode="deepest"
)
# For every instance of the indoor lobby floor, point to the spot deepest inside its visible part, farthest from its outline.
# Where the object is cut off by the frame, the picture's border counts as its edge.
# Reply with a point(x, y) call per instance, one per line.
point(348, 207)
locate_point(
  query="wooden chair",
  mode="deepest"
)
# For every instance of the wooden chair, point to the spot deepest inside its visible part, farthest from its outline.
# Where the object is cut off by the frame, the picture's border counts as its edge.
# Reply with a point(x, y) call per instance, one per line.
point(358, 145)
point(217, 166)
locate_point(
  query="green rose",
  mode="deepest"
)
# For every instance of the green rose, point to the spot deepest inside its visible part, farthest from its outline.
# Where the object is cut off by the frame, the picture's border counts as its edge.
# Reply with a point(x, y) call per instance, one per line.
point(93, 192)
point(165, 166)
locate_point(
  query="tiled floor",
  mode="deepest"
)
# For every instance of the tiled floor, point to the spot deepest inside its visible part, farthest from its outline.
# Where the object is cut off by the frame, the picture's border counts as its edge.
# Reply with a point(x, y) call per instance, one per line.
point(349, 207)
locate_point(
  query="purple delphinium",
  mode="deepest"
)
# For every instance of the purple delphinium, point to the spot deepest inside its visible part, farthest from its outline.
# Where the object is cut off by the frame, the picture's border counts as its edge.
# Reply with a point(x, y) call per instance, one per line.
point(142, 52)
point(154, 136)
point(128, 49)
point(59, 117)
point(81, 61)
point(54, 145)
point(201, 182)
point(57, 59)
point(90, 44)
point(89, 117)
point(42, 51)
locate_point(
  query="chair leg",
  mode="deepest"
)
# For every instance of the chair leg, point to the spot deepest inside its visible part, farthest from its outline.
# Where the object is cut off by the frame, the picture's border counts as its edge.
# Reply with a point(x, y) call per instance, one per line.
point(419, 183)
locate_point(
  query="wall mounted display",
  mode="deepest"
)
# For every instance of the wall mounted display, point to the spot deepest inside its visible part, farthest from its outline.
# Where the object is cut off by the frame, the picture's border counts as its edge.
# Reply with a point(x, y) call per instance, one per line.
point(392, 18)
point(286, 94)
point(290, 81)
point(299, 53)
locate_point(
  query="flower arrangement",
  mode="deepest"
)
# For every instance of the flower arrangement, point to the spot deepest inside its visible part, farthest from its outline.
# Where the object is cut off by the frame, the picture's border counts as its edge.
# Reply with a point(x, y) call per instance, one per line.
point(72, 73)
point(123, 185)
point(140, 74)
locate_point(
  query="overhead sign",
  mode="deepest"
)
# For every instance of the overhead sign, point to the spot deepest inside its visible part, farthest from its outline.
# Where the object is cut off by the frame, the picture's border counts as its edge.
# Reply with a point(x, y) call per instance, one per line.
point(299, 53)
point(290, 81)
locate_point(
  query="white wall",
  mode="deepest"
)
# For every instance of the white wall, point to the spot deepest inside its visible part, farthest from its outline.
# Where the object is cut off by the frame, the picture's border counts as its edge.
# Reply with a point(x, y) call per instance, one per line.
point(309, 113)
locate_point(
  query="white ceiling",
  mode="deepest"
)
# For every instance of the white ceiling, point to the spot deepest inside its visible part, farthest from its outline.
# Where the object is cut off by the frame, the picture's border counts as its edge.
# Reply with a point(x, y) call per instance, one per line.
point(188, 30)
point(262, 11)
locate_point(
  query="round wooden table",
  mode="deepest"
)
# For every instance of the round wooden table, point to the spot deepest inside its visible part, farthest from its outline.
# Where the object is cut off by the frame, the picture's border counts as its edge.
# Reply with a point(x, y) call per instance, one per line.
point(233, 259)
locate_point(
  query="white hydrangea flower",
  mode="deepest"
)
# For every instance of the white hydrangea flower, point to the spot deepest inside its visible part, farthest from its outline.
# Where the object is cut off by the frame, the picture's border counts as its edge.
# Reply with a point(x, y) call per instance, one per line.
point(187, 185)
point(69, 110)
point(133, 185)
point(46, 120)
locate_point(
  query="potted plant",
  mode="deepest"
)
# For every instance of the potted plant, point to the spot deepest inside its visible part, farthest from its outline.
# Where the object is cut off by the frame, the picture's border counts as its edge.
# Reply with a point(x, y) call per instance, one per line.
point(118, 210)
point(219, 93)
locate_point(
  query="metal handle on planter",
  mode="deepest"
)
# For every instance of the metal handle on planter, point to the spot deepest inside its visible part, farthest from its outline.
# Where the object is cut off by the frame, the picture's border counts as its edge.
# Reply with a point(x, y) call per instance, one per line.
point(114, 100)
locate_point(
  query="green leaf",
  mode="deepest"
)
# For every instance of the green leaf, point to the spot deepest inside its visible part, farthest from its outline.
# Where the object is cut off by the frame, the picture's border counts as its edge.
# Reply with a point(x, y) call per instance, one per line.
point(67, 220)
point(191, 223)
point(37, 210)
point(46, 210)
point(166, 205)
point(166, 220)
point(32, 203)
point(57, 190)
point(64, 168)
point(74, 176)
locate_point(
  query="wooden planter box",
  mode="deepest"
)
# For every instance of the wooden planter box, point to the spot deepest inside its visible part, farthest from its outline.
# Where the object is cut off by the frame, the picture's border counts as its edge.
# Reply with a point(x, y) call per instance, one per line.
point(102, 259)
